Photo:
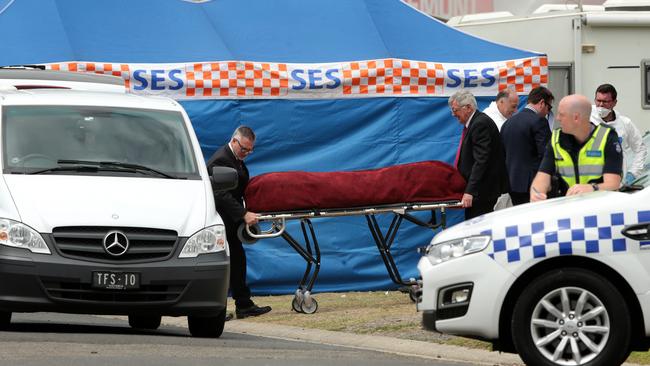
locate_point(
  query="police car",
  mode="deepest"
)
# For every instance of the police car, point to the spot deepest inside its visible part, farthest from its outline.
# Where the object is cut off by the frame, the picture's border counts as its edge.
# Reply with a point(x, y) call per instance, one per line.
point(561, 282)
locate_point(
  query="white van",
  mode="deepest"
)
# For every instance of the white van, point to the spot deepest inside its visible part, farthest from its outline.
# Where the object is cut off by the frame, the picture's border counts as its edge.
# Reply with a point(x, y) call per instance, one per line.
point(106, 205)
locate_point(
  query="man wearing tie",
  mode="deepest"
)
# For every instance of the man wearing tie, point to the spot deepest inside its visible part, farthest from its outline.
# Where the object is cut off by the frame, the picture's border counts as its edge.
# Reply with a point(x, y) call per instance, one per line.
point(480, 158)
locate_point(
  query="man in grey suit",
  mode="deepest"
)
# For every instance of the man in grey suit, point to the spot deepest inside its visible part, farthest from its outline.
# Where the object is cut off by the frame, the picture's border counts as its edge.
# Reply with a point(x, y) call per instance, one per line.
point(524, 137)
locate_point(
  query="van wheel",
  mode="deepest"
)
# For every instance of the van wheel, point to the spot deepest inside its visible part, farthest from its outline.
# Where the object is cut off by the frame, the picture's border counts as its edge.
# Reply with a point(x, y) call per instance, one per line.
point(5, 319)
point(207, 326)
point(571, 317)
point(144, 321)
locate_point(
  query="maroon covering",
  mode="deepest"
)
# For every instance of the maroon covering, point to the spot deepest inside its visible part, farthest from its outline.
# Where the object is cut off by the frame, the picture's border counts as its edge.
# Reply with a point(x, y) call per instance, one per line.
point(426, 181)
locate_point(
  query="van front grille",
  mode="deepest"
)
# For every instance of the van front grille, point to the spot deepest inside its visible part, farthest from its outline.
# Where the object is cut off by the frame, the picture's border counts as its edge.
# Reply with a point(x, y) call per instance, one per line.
point(87, 243)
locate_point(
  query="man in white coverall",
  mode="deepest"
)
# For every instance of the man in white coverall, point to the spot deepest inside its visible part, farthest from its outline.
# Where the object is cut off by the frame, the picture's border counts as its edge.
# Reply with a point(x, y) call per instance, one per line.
point(634, 150)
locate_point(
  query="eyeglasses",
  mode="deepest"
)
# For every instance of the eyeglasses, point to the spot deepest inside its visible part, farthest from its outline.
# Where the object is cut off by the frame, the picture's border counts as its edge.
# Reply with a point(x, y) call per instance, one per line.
point(603, 101)
point(244, 150)
point(455, 110)
point(549, 105)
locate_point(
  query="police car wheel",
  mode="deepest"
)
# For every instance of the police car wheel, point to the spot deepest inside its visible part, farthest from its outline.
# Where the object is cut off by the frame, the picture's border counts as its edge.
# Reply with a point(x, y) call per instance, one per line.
point(571, 317)
point(144, 321)
point(5, 319)
point(207, 326)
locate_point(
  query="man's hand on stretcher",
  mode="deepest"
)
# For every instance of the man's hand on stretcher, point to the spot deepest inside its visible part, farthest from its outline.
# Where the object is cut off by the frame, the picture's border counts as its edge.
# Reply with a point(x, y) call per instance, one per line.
point(466, 201)
point(250, 218)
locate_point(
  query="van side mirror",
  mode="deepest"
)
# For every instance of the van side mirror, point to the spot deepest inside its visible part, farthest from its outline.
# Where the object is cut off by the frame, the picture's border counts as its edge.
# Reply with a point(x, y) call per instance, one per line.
point(224, 178)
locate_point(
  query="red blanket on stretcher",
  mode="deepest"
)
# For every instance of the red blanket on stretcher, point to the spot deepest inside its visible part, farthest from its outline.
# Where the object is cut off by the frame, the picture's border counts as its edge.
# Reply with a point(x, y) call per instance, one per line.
point(426, 181)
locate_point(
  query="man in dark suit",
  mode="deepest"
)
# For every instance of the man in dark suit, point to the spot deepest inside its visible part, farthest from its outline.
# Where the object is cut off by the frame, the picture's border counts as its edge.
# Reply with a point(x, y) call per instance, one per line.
point(480, 159)
point(230, 205)
point(524, 137)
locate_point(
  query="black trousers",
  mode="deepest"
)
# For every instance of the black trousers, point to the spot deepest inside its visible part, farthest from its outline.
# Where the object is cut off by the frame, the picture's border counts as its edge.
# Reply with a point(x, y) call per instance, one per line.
point(519, 198)
point(239, 290)
point(480, 207)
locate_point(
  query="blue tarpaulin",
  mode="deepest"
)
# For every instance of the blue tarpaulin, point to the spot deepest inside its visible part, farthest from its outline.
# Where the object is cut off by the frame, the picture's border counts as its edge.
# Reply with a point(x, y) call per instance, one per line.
point(299, 31)
point(333, 85)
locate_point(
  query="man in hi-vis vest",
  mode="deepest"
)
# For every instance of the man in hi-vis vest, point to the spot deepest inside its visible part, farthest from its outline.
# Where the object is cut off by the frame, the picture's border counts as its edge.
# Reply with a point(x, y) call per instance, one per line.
point(585, 157)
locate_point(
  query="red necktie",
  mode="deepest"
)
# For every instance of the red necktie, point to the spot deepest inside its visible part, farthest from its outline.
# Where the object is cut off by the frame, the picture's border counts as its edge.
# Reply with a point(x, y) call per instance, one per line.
point(460, 144)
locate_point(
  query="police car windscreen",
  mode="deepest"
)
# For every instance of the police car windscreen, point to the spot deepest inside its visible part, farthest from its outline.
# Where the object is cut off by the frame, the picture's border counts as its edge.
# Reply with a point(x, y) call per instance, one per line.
point(38, 137)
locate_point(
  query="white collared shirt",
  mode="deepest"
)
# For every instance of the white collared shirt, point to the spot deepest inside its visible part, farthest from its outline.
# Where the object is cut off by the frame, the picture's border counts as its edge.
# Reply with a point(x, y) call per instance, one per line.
point(470, 119)
point(233, 152)
point(493, 112)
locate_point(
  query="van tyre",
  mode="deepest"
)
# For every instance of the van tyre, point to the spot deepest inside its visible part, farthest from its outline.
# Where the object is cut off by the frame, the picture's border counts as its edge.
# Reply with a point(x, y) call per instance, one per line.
point(5, 319)
point(144, 321)
point(571, 317)
point(207, 327)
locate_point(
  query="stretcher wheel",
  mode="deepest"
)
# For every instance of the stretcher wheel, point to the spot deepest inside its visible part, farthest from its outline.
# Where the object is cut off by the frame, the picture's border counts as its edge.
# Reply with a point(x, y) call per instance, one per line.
point(295, 305)
point(309, 308)
point(243, 235)
point(414, 293)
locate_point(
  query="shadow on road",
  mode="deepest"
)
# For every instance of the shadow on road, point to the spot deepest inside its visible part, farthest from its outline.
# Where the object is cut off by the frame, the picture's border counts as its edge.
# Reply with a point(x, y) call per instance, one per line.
point(48, 327)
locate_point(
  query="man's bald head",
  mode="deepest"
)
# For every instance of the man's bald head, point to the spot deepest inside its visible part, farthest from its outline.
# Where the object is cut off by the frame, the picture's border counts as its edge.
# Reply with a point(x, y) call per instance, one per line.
point(573, 114)
point(507, 101)
point(578, 104)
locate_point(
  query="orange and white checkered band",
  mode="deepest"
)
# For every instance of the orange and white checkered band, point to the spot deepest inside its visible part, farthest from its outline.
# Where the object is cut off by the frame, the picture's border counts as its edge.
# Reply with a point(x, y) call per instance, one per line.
point(357, 79)
point(393, 77)
point(237, 79)
point(524, 75)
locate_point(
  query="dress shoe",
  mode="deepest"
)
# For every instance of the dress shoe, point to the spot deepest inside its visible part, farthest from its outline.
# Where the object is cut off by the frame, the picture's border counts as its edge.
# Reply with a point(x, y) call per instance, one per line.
point(252, 310)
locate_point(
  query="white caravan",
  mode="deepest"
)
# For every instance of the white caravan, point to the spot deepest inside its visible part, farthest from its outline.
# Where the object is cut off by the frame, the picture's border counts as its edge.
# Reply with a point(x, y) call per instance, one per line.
point(608, 44)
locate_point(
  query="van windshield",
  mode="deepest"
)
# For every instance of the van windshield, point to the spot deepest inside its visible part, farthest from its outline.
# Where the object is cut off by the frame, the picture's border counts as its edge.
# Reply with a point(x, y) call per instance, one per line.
point(44, 138)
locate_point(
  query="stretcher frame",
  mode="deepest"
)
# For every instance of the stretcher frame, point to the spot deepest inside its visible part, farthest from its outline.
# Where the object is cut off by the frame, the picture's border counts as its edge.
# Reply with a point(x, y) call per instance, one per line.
point(303, 302)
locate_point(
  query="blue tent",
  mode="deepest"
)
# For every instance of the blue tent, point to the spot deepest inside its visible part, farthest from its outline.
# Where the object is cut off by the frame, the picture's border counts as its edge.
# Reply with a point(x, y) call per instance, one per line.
point(327, 86)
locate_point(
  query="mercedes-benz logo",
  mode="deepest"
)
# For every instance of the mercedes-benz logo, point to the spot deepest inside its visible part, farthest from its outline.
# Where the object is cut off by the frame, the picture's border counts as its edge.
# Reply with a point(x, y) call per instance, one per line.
point(116, 243)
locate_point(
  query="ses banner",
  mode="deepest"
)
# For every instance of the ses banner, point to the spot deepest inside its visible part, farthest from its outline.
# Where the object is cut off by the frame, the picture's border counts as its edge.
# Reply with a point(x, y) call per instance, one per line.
point(356, 79)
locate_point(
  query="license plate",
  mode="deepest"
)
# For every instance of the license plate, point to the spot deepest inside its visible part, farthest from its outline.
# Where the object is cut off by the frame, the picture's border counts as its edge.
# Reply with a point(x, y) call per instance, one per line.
point(116, 280)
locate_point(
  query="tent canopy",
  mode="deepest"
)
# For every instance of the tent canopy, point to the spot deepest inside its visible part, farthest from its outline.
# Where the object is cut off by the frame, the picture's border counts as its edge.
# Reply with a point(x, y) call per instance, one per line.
point(300, 31)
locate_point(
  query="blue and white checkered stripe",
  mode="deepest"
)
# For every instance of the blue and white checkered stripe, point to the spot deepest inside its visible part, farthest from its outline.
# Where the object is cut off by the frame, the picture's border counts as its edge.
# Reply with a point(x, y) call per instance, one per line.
point(585, 235)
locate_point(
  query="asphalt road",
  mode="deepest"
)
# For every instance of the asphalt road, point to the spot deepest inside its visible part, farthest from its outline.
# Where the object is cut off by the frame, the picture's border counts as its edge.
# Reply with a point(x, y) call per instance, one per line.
point(46, 339)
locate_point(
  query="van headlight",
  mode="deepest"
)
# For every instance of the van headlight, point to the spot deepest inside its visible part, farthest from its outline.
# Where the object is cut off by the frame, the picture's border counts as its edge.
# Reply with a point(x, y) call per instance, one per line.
point(442, 252)
point(209, 240)
point(18, 235)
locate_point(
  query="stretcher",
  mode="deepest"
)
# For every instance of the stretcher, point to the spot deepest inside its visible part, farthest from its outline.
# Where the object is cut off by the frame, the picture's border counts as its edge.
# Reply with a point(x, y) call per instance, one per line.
point(273, 225)
point(396, 190)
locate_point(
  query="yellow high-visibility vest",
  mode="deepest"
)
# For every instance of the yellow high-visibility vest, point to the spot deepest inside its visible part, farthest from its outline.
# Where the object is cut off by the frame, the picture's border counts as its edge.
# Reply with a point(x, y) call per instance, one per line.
point(591, 158)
